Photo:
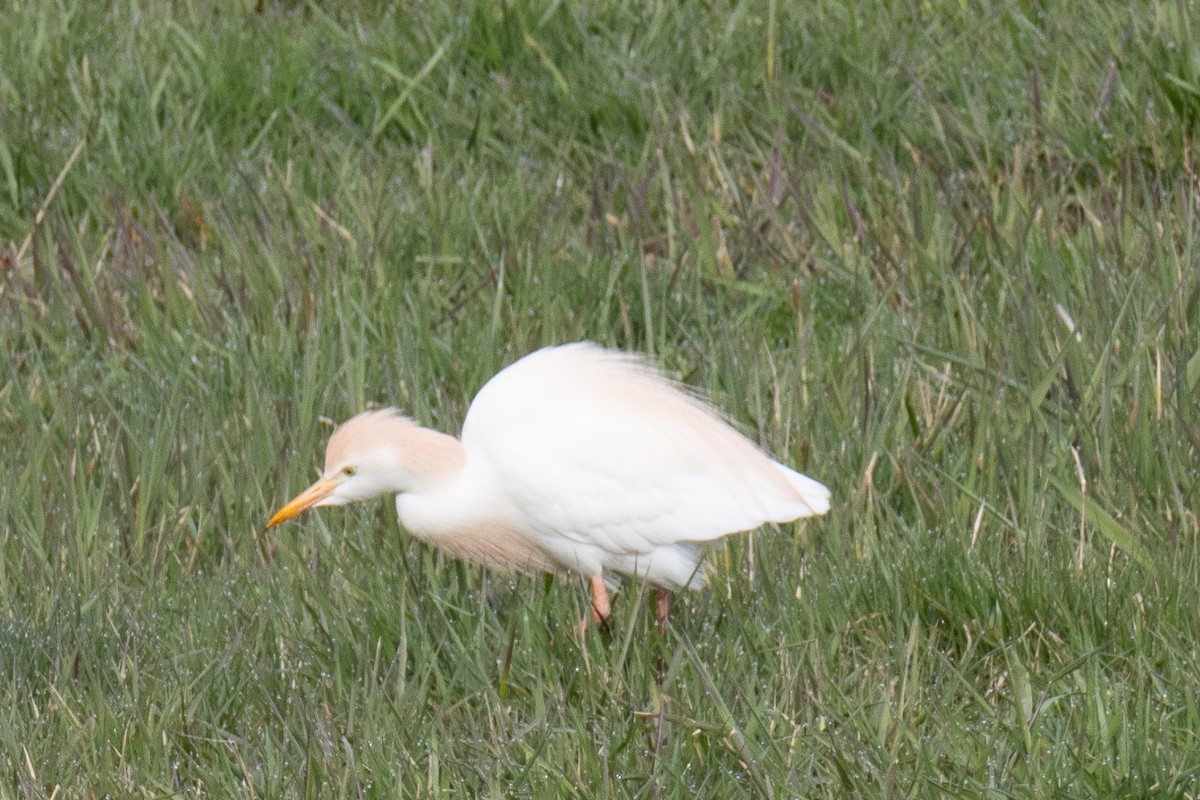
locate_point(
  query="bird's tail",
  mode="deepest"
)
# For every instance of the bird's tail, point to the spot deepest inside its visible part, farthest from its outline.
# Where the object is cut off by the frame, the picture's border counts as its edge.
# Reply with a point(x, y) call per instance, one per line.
point(813, 495)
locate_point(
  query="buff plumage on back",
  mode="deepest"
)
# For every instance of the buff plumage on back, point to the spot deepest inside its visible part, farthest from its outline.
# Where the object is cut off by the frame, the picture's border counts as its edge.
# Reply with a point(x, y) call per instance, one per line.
point(613, 467)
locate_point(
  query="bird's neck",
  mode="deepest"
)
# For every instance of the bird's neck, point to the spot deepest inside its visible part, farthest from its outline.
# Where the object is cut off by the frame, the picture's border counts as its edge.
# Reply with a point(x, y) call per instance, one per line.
point(434, 458)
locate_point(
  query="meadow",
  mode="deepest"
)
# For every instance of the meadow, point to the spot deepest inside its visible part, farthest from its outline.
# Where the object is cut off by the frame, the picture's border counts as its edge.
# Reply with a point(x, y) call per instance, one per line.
point(943, 257)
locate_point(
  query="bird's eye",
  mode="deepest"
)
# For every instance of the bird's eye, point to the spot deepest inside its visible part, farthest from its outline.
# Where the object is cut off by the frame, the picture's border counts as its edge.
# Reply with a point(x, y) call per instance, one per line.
point(349, 471)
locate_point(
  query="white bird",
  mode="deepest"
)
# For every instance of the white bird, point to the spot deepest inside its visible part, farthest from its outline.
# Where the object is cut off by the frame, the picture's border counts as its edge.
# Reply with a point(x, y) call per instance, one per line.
point(572, 459)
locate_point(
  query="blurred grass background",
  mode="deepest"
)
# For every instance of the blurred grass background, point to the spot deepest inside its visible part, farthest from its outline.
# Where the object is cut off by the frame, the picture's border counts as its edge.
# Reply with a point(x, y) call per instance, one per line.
point(941, 256)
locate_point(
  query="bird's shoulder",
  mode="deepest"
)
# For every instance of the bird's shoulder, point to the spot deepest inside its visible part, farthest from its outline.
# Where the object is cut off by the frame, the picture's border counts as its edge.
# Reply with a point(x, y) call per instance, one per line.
point(577, 381)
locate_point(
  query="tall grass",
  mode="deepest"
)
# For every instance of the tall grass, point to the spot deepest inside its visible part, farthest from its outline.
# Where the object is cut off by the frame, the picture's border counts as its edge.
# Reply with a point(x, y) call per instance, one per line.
point(943, 257)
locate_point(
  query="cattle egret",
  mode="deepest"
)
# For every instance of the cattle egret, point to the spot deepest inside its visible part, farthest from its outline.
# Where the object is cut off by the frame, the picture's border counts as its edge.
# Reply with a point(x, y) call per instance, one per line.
point(574, 458)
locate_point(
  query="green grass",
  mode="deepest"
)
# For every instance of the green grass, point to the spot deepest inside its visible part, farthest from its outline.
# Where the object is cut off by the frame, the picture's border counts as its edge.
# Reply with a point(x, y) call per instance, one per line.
point(943, 257)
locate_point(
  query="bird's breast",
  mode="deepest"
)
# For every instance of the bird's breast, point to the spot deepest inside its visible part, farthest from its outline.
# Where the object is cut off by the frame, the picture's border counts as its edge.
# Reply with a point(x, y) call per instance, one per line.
point(481, 536)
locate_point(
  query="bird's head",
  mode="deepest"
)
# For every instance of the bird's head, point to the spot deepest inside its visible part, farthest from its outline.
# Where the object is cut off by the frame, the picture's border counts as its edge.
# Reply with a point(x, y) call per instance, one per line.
point(373, 453)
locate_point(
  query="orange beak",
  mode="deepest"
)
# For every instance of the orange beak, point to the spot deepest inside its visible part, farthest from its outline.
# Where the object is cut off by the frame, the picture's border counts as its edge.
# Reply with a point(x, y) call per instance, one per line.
point(303, 501)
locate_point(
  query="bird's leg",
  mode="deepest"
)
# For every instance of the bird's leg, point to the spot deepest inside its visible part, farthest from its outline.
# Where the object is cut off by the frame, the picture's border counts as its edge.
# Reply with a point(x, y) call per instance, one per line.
point(601, 605)
point(662, 606)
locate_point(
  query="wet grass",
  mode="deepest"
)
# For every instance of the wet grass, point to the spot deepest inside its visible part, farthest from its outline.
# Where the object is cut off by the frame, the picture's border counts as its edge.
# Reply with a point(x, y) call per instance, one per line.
point(943, 259)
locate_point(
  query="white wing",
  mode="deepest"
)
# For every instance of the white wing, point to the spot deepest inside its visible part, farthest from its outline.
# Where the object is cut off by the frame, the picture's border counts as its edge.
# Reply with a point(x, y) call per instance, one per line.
point(597, 450)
